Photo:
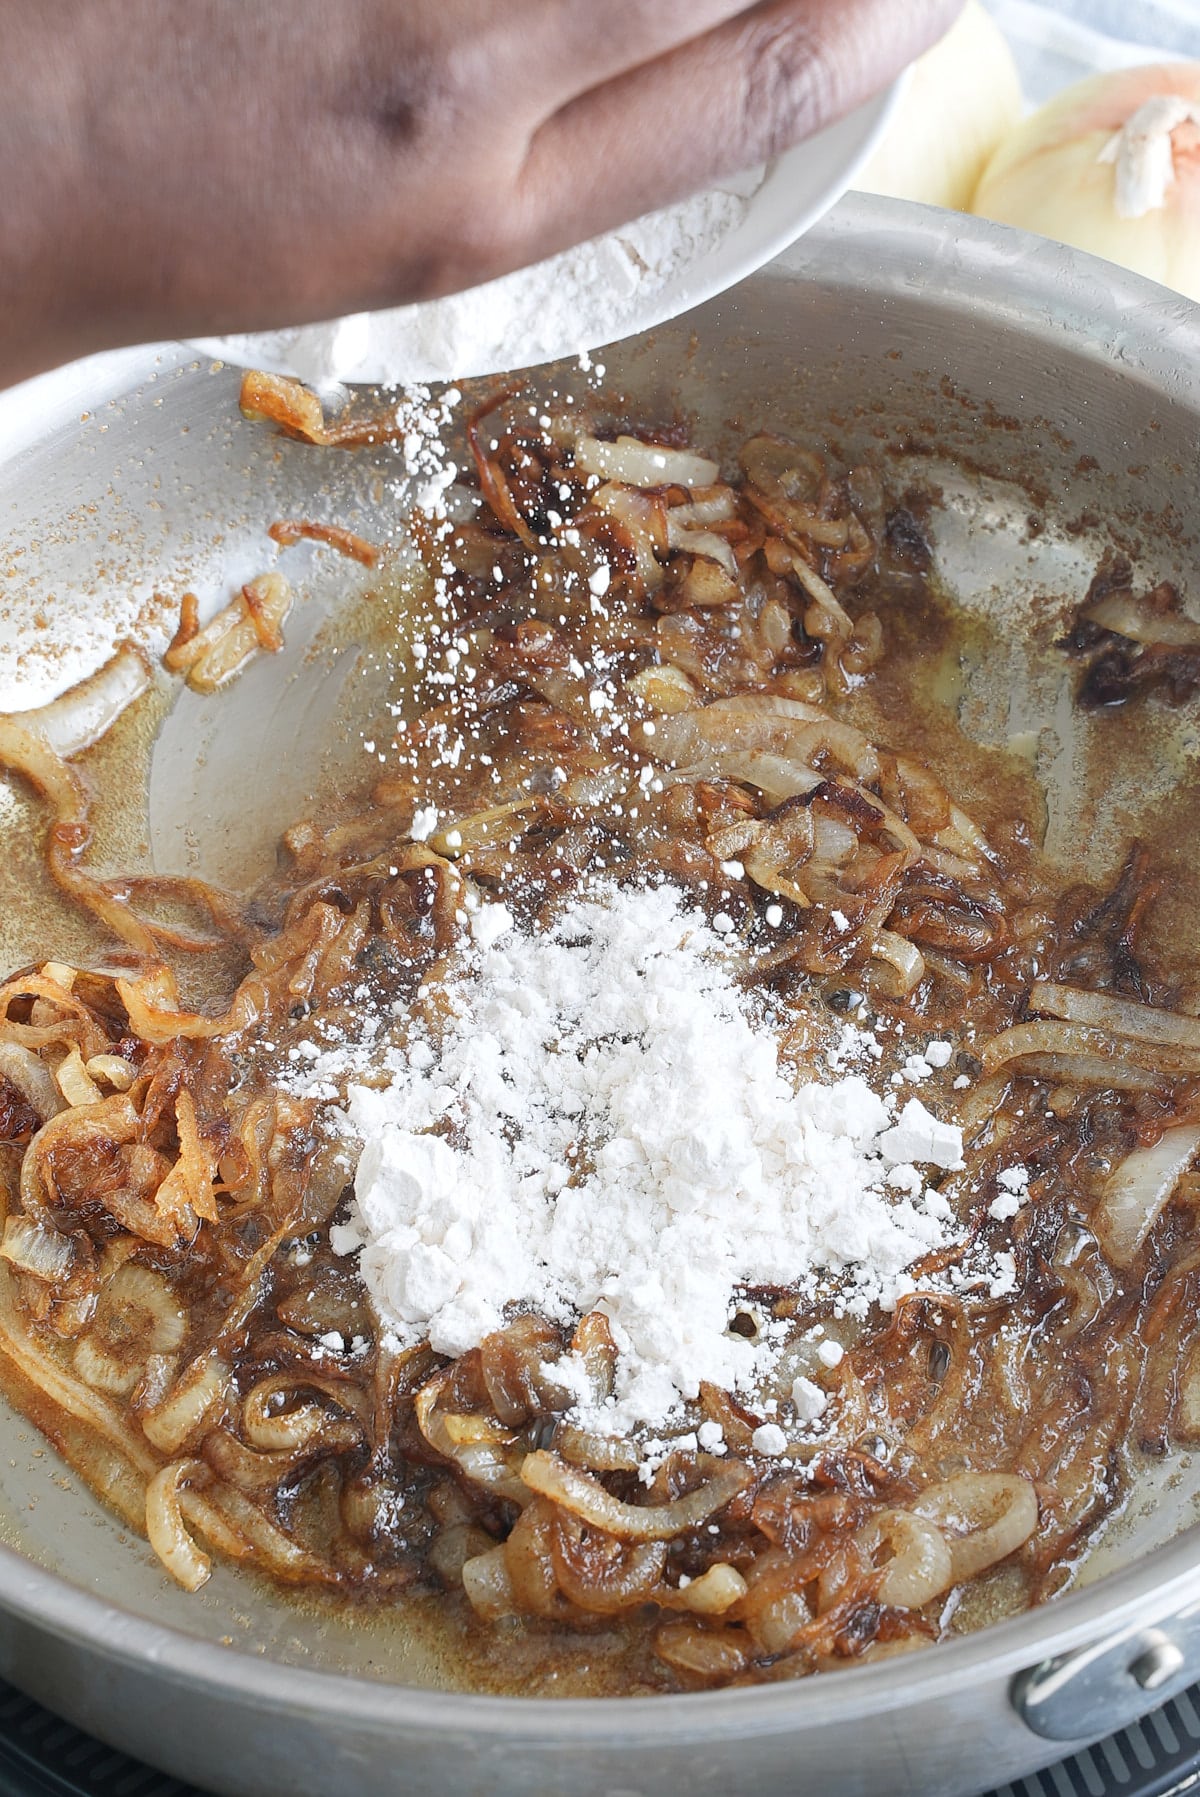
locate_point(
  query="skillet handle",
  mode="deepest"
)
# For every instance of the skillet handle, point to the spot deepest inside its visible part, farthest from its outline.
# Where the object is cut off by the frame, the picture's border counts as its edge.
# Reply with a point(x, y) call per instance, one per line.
point(1093, 1691)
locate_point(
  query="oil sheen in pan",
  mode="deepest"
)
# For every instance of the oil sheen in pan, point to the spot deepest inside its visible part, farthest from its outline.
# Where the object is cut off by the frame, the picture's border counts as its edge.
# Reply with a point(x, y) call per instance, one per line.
point(994, 656)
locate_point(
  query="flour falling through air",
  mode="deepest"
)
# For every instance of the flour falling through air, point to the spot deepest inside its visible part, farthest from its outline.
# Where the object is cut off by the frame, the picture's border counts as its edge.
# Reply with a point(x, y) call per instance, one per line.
point(602, 1123)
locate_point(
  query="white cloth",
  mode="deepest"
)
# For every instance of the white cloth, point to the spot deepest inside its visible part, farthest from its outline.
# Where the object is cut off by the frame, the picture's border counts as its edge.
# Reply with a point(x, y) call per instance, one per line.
point(1057, 44)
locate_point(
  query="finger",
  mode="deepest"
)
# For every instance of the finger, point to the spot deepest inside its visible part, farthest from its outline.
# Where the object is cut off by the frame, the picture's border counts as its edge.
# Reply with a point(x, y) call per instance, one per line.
point(734, 98)
point(581, 44)
point(541, 53)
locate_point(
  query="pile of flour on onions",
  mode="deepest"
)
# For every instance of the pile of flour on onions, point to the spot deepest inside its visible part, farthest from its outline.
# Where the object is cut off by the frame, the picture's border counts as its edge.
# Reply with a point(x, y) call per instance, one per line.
point(602, 1125)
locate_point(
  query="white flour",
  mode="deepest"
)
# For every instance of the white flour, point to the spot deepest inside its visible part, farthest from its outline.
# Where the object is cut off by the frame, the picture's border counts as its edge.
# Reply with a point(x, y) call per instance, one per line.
point(601, 1124)
point(587, 296)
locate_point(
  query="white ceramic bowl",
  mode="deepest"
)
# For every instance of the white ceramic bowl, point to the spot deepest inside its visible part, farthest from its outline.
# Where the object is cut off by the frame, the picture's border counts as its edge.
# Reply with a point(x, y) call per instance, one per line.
point(780, 204)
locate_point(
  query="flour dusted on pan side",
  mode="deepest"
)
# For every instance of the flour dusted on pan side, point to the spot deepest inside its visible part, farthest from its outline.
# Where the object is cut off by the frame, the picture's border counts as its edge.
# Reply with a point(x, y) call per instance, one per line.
point(603, 1124)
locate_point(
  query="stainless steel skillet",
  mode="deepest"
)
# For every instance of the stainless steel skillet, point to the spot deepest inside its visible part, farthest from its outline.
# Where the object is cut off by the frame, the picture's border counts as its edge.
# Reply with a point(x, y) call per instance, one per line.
point(1053, 403)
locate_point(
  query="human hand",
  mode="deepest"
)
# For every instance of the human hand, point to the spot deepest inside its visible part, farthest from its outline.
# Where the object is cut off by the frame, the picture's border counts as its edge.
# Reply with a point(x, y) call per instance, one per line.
point(192, 167)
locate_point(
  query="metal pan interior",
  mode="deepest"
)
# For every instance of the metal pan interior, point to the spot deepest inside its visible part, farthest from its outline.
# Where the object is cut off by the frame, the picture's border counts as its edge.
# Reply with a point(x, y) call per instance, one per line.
point(1019, 387)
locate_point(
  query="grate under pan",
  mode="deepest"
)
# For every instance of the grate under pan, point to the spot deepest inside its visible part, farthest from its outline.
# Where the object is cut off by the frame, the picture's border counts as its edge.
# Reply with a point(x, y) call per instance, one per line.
point(1157, 1757)
point(42, 1756)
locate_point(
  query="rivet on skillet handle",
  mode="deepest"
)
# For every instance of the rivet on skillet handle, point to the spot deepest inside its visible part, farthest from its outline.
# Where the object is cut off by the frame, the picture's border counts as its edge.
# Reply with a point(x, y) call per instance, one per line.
point(1095, 1691)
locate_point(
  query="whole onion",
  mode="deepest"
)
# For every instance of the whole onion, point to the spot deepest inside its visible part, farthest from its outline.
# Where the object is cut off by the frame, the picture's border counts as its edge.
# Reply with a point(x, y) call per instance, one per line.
point(961, 98)
point(1112, 166)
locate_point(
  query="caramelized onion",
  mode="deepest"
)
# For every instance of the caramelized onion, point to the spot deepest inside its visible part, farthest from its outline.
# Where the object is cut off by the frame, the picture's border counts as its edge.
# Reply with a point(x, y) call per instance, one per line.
point(706, 543)
point(715, 1591)
point(191, 1404)
point(32, 1079)
point(1187, 1421)
point(707, 581)
point(799, 733)
point(139, 1288)
point(288, 531)
point(496, 823)
point(102, 1419)
point(211, 657)
point(920, 1565)
point(774, 776)
point(717, 1654)
point(154, 1302)
point(269, 1427)
point(826, 619)
point(230, 1520)
point(586, 1498)
point(637, 524)
point(104, 1371)
point(530, 1558)
point(775, 1608)
point(275, 398)
point(983, 1517)
point(598, 1453)
point(152, 1001)
point(166, 1529)
point(785, 484)
point(904, 959)
point(641, 464)
point(87, 711)
point(599, 1574)
point(137, 1320)
point(592, 1344)
point(663, 688)
point(486, 1581)
point(1136, 1192)
point(110, 1068)
point(486, 1456)
point(27, 750)
point(187, 1191)
point(75, 1082)
point(1072, 1039)
point(776, 855)
point(1119, 1016)
point(37, 1248)
point(1121, 613)
point(1083, 1070)
point(706, 508)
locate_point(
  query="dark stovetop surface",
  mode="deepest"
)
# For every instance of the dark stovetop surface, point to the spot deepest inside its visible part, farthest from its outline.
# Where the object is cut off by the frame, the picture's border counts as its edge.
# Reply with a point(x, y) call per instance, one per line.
point(41, 1756)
